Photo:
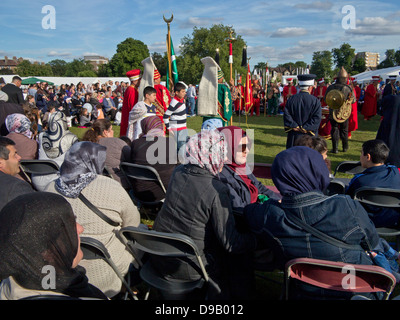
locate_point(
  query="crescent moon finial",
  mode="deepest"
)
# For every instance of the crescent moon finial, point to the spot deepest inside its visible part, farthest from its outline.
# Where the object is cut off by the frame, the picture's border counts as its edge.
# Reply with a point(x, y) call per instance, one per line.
point(170, 19)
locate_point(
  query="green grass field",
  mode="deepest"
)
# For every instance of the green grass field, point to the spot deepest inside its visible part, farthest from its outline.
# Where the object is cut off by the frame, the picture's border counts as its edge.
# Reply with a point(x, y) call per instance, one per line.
point(269, 140)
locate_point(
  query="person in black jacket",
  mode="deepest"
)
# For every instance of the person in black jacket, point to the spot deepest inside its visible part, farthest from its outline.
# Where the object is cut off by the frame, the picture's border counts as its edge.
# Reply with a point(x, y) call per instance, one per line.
point(198, 204)
point(243, 186)
point(14, 91)
point(10, 186)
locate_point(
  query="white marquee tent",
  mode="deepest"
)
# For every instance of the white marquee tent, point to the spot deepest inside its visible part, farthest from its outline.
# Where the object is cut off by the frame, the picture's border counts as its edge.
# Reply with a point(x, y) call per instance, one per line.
point(383, 73)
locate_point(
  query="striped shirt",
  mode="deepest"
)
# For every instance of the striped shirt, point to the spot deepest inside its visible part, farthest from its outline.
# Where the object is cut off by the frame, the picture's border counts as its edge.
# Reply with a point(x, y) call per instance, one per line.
point(175, 115)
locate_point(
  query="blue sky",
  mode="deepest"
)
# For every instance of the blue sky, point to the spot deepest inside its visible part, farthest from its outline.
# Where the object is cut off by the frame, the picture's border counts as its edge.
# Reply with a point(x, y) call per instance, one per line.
point(275, 31)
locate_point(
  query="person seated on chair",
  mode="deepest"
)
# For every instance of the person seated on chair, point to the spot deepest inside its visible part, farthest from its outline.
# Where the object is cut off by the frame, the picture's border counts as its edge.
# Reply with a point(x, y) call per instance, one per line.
point(81, 173)
point(19, 128)
point(373, 156)
point(243, 186)
point(198, 205)
point(39, 238)
point(301, 176)
point(54, 142)
point(10, 186)
point(161, 158)
point(118, 151)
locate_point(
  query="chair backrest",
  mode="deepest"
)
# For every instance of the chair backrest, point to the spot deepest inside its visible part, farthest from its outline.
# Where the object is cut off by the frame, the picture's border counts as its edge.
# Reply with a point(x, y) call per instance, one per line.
point(382, 197)
point(349, 167)
point(141, 172)
point(339, 276)
point(163, 244)
point(39, 166)
point(336, 186)
point(93, 249)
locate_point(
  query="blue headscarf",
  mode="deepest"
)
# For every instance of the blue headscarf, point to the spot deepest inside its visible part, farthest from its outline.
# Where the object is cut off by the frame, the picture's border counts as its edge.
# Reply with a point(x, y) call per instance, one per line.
point(298, 170)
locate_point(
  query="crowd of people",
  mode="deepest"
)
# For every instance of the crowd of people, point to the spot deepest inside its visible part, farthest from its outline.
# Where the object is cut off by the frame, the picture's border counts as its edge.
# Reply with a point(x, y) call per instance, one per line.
point(212, 196)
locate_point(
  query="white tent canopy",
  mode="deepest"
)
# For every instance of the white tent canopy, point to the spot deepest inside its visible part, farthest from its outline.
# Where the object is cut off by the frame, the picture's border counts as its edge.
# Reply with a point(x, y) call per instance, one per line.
point(383, 73)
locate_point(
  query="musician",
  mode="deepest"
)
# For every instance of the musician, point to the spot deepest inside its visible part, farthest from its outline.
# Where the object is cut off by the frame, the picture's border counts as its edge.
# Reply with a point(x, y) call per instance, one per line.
point(339, 115)
point(288, 91)
point(325, 126)
point(273, 95)
point(390, 88)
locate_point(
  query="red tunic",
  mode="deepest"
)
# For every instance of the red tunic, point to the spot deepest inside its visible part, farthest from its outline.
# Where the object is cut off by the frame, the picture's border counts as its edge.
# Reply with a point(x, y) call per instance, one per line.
point(130, 99)
point(288, 92)
point(353, 120)
point(319, 92)
point(163, 99)
point(370, 102)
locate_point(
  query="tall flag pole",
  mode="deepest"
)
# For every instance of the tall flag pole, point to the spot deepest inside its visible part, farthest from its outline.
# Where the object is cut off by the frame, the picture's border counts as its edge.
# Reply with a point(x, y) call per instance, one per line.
point(172, 71)
point(230, 40)
point(248, 101)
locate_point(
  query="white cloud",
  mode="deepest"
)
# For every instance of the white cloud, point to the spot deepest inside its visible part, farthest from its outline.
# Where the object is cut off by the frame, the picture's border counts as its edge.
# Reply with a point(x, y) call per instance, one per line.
point(200, 22)
point(54, 53)
point(377, 26)
point(289, 32)
point(315, 5)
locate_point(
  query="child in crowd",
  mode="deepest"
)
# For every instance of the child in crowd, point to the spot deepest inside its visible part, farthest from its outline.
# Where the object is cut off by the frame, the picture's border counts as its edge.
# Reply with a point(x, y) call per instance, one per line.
point(84, 118)
point(175, 115)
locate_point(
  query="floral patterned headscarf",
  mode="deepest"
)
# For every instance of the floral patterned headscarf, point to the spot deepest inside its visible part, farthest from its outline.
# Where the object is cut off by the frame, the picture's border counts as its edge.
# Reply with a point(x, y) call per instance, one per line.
point(208, 150)
point(19, 123)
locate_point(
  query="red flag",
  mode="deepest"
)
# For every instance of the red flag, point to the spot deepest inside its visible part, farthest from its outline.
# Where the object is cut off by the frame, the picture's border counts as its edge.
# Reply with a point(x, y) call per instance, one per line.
point(248, 96)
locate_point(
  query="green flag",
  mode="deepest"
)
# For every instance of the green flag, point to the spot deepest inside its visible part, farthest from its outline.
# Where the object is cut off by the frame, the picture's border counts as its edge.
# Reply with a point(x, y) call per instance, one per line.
point(174, 69)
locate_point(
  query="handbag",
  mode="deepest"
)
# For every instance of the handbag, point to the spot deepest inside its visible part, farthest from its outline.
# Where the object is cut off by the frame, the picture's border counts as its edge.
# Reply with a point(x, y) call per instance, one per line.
point(97, 211)
point(324, 237)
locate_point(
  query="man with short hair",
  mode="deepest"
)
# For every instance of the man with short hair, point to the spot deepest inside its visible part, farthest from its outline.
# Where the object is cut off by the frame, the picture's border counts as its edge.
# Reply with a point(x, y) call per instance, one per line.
point(10, 186)
point(302, 113)
point(14, 91)
point(373, 157)
point(191, 95)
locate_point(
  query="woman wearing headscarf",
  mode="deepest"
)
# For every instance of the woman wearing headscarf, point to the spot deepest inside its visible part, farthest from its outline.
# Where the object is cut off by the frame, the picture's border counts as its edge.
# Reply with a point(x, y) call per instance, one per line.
point(40, 249)
point(301, 176)
point(53, 144)
point(243, 186)
point(19, 128)
point(118, 151)
point(81, 173)
point(198, 205)
point(152, 148)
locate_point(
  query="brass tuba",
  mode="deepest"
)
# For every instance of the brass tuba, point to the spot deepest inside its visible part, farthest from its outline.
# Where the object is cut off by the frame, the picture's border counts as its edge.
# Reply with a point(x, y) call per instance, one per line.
point(339, 97)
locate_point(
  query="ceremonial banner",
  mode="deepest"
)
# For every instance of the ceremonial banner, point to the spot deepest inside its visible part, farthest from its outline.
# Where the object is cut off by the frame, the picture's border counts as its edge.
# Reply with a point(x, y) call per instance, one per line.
point(172, 61)
point(230, 53)
point(248, 95)
point(147, 77)
point(207, 104)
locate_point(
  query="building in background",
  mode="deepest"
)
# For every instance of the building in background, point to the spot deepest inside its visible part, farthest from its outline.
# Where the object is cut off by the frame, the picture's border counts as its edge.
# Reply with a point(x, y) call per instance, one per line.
point(96, 61)
point(371, 59)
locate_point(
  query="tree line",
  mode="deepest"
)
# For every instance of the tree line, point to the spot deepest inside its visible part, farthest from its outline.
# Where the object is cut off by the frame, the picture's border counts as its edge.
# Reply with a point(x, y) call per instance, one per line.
point(201, 43)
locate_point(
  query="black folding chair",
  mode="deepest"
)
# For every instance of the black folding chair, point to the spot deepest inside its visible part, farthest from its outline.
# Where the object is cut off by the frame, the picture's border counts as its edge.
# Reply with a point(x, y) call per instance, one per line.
point(381, 197)
point(336, 186)
point(167, 245)
point(349, 167)
point(37, 167)
point(93, 249)
point(143, 173)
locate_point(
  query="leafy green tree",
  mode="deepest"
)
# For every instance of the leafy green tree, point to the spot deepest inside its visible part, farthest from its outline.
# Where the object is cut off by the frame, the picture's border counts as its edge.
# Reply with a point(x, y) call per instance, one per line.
point(344, 57)
point(27, 69)
point(87, 73)
point(397, 57)
point(359, 66)
point(321, 64)
point(130, 53)
point(58, 67)
point(203, 43)
point(76, 66)
point(161, 63)
point(390, 60)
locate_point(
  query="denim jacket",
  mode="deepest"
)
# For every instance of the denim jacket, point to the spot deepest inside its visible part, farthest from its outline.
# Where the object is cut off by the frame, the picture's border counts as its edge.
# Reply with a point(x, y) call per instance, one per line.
point(338, 216)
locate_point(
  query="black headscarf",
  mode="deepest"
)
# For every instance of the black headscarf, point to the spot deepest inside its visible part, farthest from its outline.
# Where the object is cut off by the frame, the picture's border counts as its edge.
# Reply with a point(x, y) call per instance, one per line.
point(299, 170)
point(389, 128)
point(38, 230)
point(82, 163)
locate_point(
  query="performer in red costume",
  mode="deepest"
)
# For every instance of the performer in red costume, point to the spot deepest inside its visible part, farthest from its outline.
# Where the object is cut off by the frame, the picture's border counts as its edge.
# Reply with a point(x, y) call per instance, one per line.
point(163, 98)
point(353, 120)
point(288, 91)
point(371, 99)
point(130, 99)
point(325, 126)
